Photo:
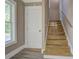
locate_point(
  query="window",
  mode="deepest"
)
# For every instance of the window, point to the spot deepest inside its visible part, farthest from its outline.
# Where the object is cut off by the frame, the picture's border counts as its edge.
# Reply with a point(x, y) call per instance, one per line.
point(10, 22)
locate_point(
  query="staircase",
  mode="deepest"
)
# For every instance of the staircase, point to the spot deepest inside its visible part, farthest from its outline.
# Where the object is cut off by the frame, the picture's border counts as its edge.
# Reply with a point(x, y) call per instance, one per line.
point(56, 43)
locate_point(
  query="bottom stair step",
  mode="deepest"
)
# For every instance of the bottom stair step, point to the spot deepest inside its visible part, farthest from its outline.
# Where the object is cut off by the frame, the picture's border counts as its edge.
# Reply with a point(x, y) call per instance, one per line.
point(59, 51)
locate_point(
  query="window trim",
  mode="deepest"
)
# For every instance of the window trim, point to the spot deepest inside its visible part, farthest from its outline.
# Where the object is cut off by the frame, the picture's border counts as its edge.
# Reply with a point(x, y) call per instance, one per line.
point(14, 26)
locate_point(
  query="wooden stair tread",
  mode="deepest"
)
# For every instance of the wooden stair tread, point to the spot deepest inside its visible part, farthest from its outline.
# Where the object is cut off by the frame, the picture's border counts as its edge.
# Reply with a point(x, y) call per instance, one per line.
point(55, 30)
point(56, 46)
point(60, 30)
point(56, 37)
point(61, 33)
point(57, 42)
point(59, 51)
point(50, 25)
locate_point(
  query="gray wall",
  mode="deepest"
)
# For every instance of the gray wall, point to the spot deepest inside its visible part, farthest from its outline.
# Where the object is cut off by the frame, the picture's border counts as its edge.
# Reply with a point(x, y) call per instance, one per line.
point(66, 14)
point(20, 27)
point(53, 10)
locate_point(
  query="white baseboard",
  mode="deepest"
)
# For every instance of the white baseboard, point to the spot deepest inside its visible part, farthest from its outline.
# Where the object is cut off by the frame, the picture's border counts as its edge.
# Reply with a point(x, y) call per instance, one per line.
point(57, 57)
point(70, 45)
point(14, 52)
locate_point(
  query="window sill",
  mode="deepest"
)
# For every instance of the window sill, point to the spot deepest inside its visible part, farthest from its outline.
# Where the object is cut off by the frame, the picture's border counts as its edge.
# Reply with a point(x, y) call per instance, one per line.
point(10, 43)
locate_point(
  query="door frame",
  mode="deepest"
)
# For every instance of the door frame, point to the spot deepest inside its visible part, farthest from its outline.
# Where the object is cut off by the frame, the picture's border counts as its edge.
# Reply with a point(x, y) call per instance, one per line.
point(45, 12)
point(45, 4)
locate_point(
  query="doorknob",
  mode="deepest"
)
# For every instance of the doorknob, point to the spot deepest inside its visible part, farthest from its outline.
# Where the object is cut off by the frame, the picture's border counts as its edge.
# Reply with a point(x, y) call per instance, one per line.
point(39, 30)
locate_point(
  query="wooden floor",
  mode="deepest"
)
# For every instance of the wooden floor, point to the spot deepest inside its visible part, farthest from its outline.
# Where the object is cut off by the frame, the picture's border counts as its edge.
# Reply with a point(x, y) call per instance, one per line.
point(56, 43)
point(29, 54)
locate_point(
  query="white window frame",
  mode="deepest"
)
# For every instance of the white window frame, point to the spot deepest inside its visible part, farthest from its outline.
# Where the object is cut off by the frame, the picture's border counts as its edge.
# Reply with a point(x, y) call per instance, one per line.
point(14, 26)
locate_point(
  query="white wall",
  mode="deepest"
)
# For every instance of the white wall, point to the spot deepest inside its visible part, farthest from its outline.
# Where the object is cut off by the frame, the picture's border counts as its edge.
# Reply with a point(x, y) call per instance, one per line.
point(68, 10)
point(60, 9)
point(26, 27)
point(66, 6)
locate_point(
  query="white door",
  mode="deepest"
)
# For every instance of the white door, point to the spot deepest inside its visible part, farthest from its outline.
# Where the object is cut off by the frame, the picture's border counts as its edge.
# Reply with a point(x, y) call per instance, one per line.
point(34, 20)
